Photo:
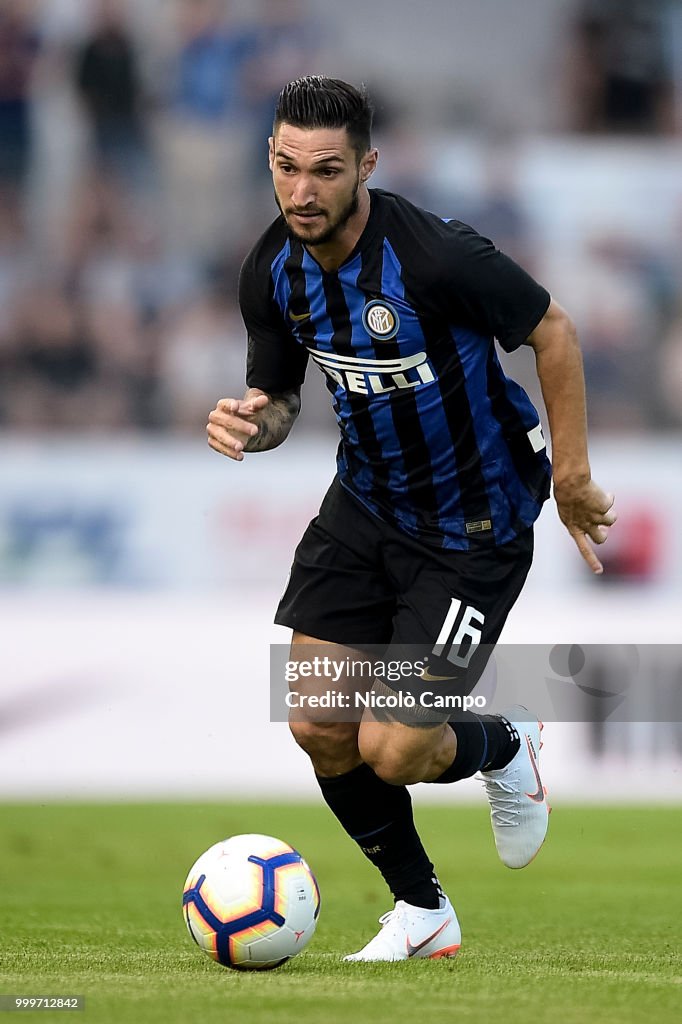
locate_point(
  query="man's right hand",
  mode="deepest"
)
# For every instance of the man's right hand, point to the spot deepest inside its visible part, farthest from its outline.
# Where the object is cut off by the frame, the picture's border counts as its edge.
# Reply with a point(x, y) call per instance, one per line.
point(232, 423)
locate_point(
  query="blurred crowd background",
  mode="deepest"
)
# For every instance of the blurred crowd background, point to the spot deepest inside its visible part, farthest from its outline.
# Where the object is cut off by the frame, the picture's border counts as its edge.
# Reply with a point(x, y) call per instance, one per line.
point(133, 180)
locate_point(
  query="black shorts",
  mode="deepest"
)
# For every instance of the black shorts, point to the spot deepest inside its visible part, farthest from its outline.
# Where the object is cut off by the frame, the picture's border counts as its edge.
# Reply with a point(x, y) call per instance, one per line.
point(360, 582)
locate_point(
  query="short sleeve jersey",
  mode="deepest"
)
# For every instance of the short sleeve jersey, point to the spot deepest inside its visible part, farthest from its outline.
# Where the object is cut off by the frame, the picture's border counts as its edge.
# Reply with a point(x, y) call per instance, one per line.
point(435, 438)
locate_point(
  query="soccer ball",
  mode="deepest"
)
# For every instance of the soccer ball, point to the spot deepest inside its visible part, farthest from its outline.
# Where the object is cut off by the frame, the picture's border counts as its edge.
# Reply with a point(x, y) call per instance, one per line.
point(251, 902)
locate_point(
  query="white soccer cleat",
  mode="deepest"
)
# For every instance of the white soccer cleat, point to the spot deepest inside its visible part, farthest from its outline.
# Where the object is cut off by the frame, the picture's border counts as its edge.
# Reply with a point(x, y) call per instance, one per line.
point(518, 801)
point(409, 932)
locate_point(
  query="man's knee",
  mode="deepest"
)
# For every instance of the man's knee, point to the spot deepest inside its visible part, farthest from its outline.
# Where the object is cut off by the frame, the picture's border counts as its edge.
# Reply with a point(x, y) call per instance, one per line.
point(332, 746)
point(403, 755)
point(382, 751)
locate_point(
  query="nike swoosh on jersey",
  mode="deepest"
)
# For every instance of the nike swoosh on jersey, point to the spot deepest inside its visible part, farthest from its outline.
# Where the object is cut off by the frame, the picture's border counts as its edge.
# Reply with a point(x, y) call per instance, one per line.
point(297, 317)
point(411, 950)
point(539, 796)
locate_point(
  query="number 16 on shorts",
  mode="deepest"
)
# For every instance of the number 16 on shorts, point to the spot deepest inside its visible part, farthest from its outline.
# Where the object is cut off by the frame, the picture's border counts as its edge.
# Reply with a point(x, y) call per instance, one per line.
point(459, 633)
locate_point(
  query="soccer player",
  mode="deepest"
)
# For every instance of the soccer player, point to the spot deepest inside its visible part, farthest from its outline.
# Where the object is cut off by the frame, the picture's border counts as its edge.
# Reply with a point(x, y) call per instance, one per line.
point(426, 533)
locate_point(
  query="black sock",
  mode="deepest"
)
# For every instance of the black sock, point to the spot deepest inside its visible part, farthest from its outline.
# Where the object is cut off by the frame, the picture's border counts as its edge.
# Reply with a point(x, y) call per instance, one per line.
point(378, 817)
point(484, 743)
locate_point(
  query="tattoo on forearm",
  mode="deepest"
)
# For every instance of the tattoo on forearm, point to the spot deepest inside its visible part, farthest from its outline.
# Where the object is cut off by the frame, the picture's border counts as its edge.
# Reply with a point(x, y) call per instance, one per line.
point(274, 422)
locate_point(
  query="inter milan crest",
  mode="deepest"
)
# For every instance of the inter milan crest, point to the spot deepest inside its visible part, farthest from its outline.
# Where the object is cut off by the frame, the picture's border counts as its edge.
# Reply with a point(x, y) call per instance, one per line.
point(380, 320)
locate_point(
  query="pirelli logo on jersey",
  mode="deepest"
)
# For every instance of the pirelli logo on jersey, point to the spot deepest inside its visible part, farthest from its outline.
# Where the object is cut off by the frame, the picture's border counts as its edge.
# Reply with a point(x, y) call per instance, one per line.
point(375, 376)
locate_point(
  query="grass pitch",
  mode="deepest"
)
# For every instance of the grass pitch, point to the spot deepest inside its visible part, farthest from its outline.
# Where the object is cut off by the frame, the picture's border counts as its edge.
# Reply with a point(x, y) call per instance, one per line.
point(590, 932)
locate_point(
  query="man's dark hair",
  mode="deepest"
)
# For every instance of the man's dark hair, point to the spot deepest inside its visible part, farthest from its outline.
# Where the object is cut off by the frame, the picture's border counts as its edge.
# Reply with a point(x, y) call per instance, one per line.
point(319, 102)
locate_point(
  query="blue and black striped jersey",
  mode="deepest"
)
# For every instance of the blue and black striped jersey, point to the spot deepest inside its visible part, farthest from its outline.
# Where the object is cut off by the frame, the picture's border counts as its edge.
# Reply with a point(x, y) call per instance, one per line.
point(435, 438)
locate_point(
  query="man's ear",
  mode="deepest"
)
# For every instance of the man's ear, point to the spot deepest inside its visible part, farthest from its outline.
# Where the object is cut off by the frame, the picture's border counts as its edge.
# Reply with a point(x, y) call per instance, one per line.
point(271, 153)
point(368, 164)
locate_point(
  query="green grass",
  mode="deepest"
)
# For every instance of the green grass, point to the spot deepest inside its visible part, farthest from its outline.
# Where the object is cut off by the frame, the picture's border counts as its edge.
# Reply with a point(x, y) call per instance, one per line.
point(90, 904)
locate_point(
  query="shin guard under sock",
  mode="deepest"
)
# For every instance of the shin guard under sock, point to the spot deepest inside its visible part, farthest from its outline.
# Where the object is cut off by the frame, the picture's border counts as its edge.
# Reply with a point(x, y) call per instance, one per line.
point(378, 816)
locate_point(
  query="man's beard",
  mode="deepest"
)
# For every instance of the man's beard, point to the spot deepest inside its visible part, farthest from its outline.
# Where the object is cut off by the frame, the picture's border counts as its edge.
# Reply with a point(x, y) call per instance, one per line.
point(328, 233)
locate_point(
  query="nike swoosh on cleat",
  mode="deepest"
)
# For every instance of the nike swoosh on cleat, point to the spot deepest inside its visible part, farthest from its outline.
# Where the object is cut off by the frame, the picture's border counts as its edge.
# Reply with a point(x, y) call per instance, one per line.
point(411, 950)
point(538, 796)
point(297, 317)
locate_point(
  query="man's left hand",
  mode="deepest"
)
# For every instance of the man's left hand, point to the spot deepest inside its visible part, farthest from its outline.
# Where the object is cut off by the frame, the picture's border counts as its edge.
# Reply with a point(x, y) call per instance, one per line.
point(587, 512)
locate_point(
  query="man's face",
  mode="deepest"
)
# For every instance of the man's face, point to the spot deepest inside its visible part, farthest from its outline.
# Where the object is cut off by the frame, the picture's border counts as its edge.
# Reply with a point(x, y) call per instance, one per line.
point(316, 174)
